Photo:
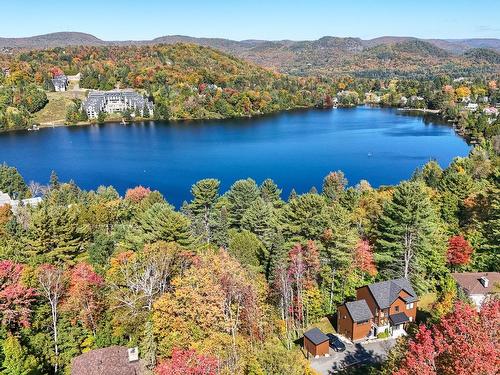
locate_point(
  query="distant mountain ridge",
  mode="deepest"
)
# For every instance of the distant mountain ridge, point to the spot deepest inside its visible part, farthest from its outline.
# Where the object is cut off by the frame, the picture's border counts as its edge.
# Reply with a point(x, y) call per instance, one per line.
point(383, 56)
point(62, 39)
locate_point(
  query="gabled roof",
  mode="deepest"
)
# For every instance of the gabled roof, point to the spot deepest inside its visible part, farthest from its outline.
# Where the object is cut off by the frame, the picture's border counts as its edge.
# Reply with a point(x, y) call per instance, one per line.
point(399, 318)
point(386, 292)
point(316, 336)
point(469, 281)
point(359, 310)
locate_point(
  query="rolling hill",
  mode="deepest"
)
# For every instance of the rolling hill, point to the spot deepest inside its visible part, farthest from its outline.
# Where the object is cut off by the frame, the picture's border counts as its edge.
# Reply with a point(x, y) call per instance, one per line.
point(384, 56)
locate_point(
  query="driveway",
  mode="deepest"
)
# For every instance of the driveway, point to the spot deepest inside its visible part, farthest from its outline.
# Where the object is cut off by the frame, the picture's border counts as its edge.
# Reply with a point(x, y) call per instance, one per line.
point(370, 352)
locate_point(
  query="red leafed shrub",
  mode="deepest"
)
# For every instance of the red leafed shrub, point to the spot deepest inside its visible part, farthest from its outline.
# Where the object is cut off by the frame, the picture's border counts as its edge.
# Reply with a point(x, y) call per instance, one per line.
point(188, 362)
point(137, 194)
point(15, 298)
point(464, 342)
point(364, 258)
point(459, 251)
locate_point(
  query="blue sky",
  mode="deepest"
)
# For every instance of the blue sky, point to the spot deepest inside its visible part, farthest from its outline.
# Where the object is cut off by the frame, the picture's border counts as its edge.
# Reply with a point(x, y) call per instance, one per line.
point(257, 19)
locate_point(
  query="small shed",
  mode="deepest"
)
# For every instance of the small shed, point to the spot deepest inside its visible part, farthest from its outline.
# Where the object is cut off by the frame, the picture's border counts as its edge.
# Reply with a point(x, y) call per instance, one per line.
point(316, 342)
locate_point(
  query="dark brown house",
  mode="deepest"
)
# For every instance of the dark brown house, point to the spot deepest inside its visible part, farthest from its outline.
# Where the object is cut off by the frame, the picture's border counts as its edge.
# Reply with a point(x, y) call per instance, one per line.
point(355, 320)
point(316, 342)
point(385, 306)
point(114, 360)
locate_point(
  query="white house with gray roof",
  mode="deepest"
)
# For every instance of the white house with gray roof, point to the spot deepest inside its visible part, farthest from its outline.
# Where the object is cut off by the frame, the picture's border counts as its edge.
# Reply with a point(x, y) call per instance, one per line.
point(60, 82)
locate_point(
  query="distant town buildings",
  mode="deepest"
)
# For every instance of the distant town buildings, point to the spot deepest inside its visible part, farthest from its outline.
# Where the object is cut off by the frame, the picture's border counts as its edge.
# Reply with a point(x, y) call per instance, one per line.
point(116, 101)
point(60, 82)
point(6, 71)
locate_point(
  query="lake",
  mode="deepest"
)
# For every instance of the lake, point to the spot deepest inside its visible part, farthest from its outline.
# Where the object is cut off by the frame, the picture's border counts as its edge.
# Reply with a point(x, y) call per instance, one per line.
point(296, 149)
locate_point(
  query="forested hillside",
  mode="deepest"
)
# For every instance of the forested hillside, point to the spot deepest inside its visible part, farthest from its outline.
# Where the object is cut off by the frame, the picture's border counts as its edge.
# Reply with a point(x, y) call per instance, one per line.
point(233, 278)
point(185, 81)
point(381, 57)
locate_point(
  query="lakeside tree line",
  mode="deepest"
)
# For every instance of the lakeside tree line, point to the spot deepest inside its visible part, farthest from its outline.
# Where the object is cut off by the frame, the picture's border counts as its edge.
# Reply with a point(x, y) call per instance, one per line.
point(193, 82)
point(233, 278)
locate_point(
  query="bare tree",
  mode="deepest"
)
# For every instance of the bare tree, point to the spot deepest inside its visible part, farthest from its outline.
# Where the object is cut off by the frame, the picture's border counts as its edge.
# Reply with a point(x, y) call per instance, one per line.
point(51, 287)
point(37, 190)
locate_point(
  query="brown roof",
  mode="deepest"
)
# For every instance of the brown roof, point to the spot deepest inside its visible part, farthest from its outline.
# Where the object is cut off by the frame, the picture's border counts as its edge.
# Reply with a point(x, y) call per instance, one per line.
point(470, 282)
point(112, 360)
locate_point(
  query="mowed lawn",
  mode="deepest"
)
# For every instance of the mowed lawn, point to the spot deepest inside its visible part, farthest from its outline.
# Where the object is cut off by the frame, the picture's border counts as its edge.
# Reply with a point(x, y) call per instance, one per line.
point(55, 110)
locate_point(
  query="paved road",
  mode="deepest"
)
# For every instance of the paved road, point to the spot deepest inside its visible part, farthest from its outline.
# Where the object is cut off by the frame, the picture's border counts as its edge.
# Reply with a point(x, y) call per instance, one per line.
point(354, 354)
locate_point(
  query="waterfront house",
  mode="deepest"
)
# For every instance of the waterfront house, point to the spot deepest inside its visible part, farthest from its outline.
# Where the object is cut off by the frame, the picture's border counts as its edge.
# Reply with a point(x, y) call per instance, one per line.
point(16, 203)
point(383, 307)
point(60, 82)
point(478, 286)
point(116, 101)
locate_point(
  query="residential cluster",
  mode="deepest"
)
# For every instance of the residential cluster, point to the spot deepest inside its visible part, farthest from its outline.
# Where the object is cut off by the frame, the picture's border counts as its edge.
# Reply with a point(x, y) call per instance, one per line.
point(383, 310)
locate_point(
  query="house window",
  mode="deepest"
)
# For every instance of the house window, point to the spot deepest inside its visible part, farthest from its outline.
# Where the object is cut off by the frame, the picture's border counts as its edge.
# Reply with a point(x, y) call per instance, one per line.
point(396, 308)
point(409, 306)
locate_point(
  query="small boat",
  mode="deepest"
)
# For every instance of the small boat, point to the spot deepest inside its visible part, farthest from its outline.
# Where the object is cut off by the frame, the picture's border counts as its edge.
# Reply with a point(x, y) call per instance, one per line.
point(123, 122)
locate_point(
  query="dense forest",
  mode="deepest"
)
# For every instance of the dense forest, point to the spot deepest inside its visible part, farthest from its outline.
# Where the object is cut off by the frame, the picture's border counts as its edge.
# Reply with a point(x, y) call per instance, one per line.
point(233, 278)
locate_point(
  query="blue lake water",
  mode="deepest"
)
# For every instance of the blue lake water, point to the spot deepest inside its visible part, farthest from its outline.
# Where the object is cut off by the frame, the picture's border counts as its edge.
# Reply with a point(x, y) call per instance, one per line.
point(295, 149)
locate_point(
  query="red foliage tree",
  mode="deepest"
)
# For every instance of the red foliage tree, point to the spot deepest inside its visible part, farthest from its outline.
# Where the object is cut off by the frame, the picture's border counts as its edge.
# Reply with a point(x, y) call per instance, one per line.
point(188, 362)
point(56, 71)
point(137, 194)
point(364, 258)
point(15, 298)
point(83, 295)
point(463, 342)
point(459, 251)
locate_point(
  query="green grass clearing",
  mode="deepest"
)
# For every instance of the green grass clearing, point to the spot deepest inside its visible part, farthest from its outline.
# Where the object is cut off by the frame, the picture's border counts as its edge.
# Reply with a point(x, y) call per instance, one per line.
point(55, 110)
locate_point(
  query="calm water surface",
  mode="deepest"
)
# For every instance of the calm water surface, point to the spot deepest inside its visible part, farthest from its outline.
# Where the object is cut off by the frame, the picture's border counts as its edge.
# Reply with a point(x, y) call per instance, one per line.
point(296, 149)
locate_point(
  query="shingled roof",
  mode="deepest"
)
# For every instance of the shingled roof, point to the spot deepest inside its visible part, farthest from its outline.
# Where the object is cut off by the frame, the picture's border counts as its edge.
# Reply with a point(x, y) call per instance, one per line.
point(359, 310)
point(386, 292)
point(471, 282)
point(111, 360)
point(316, 336)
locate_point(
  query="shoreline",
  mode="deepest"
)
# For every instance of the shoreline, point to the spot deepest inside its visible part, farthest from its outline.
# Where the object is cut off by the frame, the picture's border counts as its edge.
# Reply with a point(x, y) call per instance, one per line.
point(297, 109)
point(423, 110)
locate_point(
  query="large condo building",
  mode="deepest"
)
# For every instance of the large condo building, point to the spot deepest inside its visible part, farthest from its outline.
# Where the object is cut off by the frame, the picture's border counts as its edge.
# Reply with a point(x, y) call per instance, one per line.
point(116, 101)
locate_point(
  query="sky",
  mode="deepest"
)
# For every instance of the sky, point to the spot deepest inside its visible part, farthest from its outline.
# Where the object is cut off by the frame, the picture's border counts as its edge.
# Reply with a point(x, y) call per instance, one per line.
point(254, 19)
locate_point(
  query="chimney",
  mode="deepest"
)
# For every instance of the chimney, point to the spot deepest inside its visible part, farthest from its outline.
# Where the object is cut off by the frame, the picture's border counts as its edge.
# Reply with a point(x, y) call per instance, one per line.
point(133, 354)
point(484, 281)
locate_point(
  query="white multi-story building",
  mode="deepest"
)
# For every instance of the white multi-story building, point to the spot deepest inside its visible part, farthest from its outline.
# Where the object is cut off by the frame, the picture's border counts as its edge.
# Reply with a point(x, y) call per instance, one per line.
point(116, 101)
point(60, 82)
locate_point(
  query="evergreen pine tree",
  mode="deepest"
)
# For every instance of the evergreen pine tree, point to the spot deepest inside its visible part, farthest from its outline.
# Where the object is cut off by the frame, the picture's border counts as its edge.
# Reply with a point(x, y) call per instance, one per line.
point(409, 242)
point(259, 219)
point(159, 223)
point(205, 194)
point(54, 180)
point(270, 192)
point(240, 197)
